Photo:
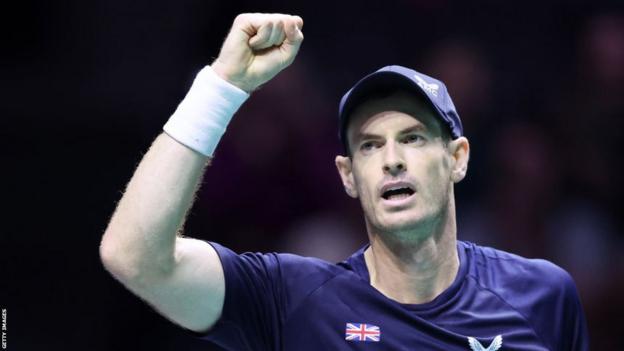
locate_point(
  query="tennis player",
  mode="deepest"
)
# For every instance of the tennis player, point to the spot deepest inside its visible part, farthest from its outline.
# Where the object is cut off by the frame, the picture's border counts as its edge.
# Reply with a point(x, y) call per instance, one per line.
point(413, 287)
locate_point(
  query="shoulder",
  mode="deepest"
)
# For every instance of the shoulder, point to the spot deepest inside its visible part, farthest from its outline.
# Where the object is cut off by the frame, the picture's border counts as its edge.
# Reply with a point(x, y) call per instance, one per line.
point(542, 292)
point(293, 273)
point(500, 270)
point(276, 263)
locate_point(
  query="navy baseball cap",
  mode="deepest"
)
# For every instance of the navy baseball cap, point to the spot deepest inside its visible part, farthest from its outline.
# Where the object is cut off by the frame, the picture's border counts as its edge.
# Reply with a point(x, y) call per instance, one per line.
point(394, 77)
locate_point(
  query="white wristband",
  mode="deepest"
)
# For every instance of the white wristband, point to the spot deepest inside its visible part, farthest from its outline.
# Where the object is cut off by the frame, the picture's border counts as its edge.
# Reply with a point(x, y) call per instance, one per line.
point(201, 118)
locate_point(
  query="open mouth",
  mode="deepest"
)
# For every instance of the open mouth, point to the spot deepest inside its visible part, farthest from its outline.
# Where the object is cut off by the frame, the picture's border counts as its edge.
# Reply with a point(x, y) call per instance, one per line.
point(397, 193)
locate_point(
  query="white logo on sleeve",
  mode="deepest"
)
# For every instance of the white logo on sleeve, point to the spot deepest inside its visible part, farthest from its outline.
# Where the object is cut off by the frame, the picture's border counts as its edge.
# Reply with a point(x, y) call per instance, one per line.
point(431, 88)
point(475, 345)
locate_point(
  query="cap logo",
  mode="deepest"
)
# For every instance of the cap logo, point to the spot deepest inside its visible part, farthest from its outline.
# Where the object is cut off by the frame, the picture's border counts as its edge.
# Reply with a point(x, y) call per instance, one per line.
point(431, 88)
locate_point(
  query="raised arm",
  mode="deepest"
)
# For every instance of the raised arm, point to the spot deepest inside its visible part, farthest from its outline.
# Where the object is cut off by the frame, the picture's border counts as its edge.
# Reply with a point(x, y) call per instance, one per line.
point(180, 277)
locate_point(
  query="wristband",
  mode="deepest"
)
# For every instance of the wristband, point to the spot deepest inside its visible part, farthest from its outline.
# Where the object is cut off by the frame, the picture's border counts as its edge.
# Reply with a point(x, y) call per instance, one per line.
point(202, 117)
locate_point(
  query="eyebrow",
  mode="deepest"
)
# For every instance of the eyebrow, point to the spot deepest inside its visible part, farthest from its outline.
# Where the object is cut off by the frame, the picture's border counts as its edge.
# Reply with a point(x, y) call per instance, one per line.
point(415, 128)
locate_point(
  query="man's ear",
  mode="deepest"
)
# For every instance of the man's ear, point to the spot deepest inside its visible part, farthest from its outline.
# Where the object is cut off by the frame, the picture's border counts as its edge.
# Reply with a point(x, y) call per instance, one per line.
point(460, 152)
point(344, 166)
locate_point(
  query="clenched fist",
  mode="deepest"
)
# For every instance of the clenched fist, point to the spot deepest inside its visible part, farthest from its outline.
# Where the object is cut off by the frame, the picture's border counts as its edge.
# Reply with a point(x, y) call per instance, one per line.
point(257, 48)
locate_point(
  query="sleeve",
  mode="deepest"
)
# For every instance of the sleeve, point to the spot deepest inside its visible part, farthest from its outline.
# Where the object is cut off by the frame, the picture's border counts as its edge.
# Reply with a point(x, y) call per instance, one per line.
point(556, 311)
point(254, 302)
point(575, 334)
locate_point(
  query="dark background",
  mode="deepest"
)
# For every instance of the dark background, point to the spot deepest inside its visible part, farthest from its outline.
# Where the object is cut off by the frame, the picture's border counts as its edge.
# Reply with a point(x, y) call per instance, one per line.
point(87, 85)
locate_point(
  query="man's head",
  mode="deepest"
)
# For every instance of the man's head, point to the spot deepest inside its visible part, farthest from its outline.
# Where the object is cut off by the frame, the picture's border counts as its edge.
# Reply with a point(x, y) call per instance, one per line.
point(403, 155)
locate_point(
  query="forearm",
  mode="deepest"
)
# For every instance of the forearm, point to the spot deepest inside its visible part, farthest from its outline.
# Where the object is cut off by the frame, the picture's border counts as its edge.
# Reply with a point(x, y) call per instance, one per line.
point(139, 244)
point(140, 238)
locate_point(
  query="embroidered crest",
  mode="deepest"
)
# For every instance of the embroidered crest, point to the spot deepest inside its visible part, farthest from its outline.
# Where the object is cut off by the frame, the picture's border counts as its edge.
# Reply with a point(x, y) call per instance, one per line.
point(362, 332)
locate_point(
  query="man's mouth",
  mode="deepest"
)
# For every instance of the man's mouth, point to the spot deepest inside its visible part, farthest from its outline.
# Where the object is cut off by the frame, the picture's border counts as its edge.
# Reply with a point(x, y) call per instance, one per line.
point(397, 194)
point(397, 191)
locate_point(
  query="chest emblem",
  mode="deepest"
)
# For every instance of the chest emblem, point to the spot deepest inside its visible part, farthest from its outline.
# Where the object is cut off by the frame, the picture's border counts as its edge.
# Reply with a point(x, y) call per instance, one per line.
point(475, 345)
point(362, 332)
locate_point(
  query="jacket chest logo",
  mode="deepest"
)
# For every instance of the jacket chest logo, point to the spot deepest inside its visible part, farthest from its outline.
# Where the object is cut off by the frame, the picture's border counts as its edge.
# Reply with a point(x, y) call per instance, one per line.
point(362, 332)
point(475, 345)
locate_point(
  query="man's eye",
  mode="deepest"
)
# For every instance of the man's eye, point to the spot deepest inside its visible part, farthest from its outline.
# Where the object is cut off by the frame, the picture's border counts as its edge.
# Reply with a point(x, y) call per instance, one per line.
point(412, 138)
point(369, 145)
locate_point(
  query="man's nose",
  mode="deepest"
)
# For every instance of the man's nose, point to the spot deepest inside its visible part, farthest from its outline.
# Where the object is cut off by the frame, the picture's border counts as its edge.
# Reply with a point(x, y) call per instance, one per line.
point(394, 163)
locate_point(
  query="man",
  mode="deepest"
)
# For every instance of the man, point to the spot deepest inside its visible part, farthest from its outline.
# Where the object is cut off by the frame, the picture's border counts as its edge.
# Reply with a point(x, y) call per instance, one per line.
point(414, 287)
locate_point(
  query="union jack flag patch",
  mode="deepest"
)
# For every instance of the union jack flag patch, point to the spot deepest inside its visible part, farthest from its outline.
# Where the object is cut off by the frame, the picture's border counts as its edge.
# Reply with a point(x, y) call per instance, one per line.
point(362, 332)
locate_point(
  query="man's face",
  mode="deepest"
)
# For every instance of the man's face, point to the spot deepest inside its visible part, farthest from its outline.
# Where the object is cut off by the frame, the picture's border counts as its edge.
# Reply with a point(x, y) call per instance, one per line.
point(401, 167)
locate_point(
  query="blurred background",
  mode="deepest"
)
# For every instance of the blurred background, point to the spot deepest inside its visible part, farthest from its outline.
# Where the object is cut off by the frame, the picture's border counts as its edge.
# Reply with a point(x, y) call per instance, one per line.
point(87, 85)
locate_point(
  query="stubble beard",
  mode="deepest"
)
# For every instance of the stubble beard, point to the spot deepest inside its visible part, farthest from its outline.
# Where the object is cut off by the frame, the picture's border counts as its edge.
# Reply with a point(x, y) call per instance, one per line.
point(408, 232)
